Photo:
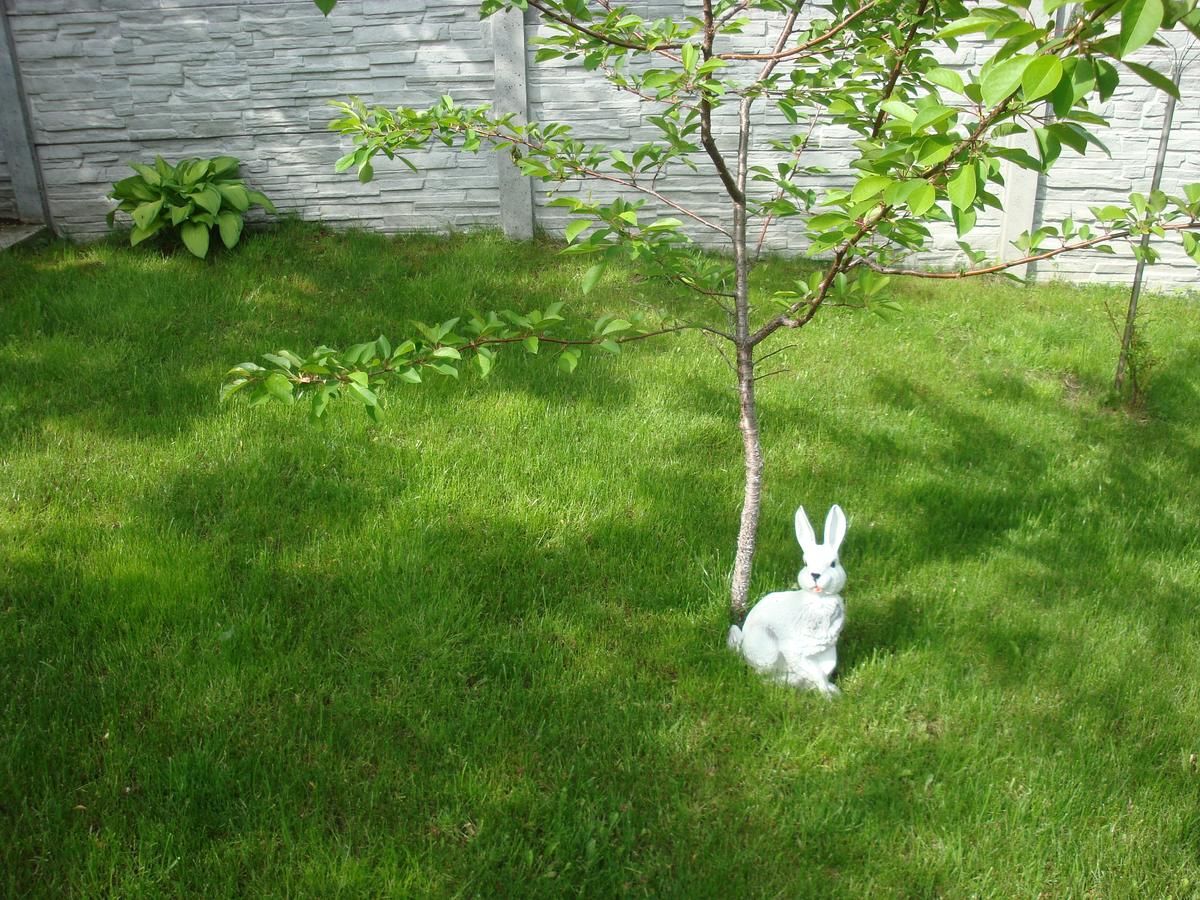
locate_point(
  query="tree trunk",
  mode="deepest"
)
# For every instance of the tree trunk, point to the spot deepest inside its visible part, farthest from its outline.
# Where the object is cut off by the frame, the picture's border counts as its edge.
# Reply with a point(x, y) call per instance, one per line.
point(1124, 363)
point(739, 597)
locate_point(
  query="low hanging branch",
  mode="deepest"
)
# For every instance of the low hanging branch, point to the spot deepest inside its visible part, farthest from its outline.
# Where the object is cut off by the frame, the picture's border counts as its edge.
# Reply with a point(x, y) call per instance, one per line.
point(443, 349)
point(1158, 227)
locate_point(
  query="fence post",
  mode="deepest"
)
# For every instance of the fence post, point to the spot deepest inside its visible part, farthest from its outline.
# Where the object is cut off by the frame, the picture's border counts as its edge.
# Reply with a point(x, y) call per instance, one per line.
point(516, 191)
point(1020, 203)
point(17, 135)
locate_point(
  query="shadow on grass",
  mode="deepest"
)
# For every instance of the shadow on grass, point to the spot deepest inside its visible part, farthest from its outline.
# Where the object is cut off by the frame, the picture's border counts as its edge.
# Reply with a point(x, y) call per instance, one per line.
point(135, 344)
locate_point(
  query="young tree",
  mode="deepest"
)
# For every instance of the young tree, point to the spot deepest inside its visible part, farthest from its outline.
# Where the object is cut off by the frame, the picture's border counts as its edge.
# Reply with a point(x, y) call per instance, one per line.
point(928, 150)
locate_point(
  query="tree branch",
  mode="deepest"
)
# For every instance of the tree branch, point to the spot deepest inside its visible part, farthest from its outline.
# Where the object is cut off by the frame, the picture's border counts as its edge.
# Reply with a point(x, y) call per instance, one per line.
point(662, 49)
point(770, 217)
point(1024, 260)
point(706, 134)
point(779, 55)
point(581, 171)
point(898, 67)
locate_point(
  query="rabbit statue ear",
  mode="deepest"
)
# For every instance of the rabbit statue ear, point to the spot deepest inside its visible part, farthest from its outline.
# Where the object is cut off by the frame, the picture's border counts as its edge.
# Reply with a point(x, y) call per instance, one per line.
point(835, 527)
point(804, 531)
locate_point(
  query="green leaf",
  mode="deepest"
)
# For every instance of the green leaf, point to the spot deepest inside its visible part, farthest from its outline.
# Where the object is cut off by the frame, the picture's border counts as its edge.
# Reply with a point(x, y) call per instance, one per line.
point(568, 360)
point(1191, 245)
point(229, 223)
point(261, 199)
point(1069, 136)
point(279, 387)
point(148, 173)
point(610, 346)
point(320, 400)
point(234, 196)
point(280, 360)
point(1151, 76)
point(899, 109)
point(229, 388)
point(531, 344)
point(591, 276)
point(899, 192)
point(133, 188)
point(828, 220)
point(484, 364)
point(946, 78)
point(933, 115)
point(965, 26)
point(1140, 19)
point(1022, 158)
point(208, 198)
point(577, 227)
point(869, 187)
point(1049, 146)
point(616, 325)
point(191, 171)
point(179, 213)
point(1107, 78)
point(146, 213)
point(1041, 77)
point(365, 394)
point(224, 165)
point(964, 220)
point(325, 6)
point(137, 235)
point(689, 55)
point(1061, 129)
point(446, 353)
point(1002, 80)
point(921, 198)
point(195, 238)
point(1062, 98)
point(961, 188)
point(412, 376)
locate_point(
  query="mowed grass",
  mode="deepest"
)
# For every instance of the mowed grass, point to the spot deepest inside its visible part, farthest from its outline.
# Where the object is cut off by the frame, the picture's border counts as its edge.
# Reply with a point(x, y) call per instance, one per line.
point(478, 650)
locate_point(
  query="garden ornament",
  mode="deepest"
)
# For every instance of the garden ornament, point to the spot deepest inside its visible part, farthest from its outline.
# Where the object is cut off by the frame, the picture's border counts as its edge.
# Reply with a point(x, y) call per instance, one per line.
point(791, 636)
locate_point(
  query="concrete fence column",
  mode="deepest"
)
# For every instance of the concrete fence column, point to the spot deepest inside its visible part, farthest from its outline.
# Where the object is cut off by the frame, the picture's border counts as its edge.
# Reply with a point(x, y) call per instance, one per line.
point(1020, 202)
point(516, 191)
point(17, 135)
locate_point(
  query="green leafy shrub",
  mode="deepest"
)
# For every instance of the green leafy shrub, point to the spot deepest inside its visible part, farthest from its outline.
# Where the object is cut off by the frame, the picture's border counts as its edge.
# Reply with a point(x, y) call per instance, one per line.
point(194, 197)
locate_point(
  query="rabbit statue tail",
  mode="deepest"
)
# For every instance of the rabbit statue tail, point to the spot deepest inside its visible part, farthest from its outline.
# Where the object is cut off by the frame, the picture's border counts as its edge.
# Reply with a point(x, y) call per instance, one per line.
point(734, 641)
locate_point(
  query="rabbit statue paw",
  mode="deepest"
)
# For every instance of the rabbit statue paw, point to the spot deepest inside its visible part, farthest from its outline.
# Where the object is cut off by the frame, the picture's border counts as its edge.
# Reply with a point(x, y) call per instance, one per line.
point(791, 636)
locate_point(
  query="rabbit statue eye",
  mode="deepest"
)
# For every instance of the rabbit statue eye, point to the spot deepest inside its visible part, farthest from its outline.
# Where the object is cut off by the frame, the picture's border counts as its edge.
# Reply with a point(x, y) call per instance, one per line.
point(833, 564)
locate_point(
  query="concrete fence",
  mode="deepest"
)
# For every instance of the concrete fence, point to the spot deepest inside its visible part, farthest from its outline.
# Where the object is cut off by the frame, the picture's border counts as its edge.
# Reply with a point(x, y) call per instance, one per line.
point(86, 86)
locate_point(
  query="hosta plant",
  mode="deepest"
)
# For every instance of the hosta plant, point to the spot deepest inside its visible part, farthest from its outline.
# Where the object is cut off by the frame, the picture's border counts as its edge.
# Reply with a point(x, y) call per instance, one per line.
point(192, 197)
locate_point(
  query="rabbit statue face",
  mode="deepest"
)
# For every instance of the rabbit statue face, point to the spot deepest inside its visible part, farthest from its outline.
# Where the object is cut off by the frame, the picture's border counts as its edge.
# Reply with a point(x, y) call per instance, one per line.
point(822, 573)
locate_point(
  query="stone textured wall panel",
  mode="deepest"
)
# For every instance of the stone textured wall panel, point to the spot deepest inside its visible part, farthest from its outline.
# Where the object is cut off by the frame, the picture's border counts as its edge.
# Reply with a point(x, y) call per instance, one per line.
point(121, 80)
point(111, 81)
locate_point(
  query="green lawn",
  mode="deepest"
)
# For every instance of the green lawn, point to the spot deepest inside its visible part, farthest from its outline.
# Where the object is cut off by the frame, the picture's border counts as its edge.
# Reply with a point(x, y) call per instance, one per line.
point(478, 650)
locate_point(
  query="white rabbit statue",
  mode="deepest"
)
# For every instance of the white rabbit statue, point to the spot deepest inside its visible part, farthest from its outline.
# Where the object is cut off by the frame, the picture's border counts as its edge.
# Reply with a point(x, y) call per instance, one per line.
point(791, 636)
